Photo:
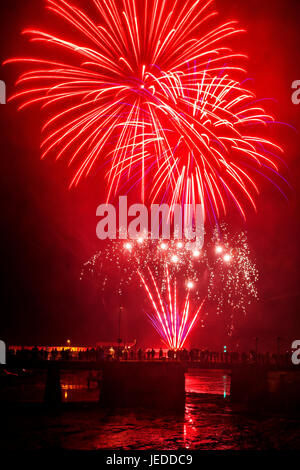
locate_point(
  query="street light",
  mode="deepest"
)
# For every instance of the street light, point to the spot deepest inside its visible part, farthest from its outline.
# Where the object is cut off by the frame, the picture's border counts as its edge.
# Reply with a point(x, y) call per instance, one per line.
point(119, 328)
point(278, 340)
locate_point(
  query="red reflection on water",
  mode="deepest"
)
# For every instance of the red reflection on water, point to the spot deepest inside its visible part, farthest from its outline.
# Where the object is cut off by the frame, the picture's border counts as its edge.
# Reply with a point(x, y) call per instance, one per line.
point(214, 382)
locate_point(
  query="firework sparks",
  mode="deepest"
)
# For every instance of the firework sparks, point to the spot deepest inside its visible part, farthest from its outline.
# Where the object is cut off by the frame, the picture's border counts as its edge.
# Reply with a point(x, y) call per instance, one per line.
point(172, 321)
point(149, 88)
point(212, 150)
point(223, 273)
point(233, 276)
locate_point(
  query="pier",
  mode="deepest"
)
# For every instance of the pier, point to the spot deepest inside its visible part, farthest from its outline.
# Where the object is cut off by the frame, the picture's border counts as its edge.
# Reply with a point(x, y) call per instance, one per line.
point(161, 384)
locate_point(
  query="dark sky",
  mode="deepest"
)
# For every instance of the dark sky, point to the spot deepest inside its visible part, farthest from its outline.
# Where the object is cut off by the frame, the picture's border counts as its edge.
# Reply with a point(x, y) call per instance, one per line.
point(49, 231)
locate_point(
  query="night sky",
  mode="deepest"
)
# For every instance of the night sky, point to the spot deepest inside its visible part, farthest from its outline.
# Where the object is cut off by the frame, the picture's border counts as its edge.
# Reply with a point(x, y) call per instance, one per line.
point(49, 232)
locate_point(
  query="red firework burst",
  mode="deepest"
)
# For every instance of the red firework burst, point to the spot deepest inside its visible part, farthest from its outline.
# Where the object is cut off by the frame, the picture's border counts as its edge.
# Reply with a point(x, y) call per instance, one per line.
point(173, 322)
point(210, 151)
point(149, 88)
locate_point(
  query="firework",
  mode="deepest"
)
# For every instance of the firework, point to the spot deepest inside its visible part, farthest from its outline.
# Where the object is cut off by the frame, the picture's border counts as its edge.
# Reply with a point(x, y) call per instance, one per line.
point(212, 151)
point(223, 273)
point(233, 276)
point(173, 321)
point(118, 263)
point(149, 88)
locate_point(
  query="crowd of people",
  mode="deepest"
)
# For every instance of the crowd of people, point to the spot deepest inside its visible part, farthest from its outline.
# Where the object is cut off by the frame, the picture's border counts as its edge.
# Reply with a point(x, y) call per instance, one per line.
point(138, 354)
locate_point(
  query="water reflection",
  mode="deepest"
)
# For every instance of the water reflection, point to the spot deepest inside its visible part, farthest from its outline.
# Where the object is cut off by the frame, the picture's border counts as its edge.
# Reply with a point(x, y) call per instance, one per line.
point(78, 387)
point(212, 382)
point(209, 422)
point(216, 382)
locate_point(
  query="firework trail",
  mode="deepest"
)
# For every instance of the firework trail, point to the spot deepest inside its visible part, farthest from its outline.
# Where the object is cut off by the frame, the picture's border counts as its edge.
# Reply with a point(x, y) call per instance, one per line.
point(210, 152)
point(223, 273)
point(118, 264)
point(172, 321)
point(150, 88)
